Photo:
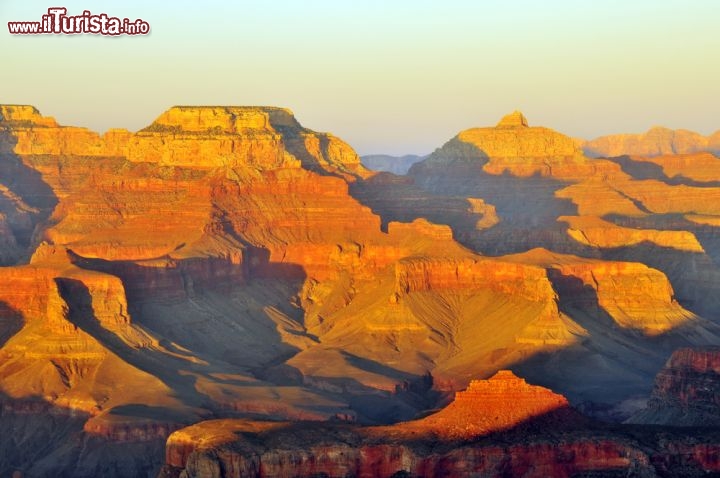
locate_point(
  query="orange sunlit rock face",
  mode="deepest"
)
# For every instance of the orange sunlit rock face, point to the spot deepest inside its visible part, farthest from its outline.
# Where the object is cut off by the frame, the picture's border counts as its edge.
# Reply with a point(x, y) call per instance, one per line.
point(514, 147)
point(499, 403)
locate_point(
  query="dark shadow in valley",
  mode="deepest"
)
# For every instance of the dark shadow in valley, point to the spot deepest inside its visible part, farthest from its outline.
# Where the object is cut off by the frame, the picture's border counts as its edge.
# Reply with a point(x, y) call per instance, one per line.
point(25, 198)
point(172, 303)
point(197, 304)
point(609, 355)
point(11, 321)
point(40, 438)
point(640, 170)
point(613, 362)
point(643, 170)
point(397, 198)
point(162, 366)
point(574, 295)
point(375, 367)
point(527, 207)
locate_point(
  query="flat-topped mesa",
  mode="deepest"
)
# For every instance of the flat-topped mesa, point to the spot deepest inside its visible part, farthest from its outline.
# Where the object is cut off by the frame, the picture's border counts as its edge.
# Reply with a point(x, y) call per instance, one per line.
point(261, 137)
point(213, 136)
point(418, 274)
point(224, 119)
point(199, 137)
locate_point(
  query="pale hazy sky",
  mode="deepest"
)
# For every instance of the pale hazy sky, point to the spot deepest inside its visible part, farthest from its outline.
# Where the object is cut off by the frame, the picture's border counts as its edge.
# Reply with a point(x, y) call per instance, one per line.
point(388, 76)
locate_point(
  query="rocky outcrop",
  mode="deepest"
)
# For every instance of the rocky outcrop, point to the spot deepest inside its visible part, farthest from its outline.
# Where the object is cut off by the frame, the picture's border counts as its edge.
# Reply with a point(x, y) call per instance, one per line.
point(499, 403)
point(656, 141)
point(261, 137)
point(513, 120)
point(686, 391)
point(635, 296)
point(34, 134)
point(424, 274)
point(519, 170)
point(598, 233)
point(512, 146)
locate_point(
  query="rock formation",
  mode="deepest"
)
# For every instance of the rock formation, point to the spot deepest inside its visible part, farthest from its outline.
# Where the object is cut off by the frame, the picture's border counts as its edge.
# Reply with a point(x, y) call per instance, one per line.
point(656, 141)
point(686, 391)
point(514, 147)
point(502, 402)
point(599, 233)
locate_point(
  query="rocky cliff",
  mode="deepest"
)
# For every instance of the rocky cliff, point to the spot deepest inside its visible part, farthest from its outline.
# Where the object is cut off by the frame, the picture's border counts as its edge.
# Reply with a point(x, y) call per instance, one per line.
point(514, 147)
point(686, 391)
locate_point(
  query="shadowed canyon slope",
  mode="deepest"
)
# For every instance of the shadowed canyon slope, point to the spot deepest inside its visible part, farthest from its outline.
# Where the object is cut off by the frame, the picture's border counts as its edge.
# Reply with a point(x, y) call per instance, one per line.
point(229, 262)
point(687, 390)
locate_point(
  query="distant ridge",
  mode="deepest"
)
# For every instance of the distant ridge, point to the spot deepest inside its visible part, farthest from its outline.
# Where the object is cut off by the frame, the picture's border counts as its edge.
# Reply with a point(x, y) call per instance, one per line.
point(391, 164)
point(657, 141)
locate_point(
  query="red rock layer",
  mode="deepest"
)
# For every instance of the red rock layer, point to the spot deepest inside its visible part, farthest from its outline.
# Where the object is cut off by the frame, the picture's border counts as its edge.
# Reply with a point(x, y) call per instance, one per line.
point(537, 460)
point(423, 274)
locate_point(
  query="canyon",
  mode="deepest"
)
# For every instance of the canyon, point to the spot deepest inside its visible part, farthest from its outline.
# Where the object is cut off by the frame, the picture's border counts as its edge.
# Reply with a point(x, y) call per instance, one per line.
point(241, 284)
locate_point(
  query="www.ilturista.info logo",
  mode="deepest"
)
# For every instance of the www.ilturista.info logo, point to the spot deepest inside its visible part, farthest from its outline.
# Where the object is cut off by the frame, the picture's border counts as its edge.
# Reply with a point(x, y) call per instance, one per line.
point(58, 22)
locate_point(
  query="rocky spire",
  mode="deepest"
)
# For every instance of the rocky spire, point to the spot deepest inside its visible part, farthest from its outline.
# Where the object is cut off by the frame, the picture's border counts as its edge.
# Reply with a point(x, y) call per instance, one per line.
point(513, 120)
